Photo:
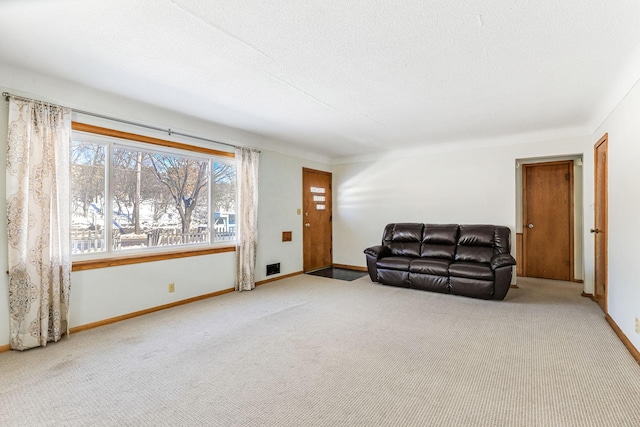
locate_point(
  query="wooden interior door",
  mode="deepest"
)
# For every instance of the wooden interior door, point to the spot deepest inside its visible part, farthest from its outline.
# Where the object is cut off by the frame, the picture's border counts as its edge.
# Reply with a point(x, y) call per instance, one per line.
point(316, 219)
point(601, 219)
point(548, 220)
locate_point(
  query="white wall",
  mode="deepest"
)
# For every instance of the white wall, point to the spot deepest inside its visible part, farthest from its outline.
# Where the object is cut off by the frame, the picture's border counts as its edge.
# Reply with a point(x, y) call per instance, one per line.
point(109, 292)
point(623, 127)
point(464, 186)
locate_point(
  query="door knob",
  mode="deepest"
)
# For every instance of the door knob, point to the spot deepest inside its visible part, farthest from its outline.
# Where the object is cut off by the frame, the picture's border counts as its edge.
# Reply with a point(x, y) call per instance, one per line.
point(530, 226)
point(594, 230)
point(307, 225)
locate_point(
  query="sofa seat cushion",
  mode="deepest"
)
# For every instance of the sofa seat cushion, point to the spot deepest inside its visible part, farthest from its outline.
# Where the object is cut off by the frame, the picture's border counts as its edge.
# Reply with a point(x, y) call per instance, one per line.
point(394, 263)
point(471, 270)
point(432, 266)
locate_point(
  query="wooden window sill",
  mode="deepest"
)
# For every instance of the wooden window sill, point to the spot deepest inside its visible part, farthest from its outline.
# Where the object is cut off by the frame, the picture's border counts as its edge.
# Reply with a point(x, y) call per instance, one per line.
point(137, 259)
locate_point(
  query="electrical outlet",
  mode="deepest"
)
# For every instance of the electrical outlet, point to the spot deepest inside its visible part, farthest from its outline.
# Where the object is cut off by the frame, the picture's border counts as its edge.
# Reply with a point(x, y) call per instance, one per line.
point(637, 325)
point(172, 287)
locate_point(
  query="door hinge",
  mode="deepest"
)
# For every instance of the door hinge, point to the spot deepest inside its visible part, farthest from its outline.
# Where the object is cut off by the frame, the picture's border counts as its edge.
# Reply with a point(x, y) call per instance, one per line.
point(330, 218)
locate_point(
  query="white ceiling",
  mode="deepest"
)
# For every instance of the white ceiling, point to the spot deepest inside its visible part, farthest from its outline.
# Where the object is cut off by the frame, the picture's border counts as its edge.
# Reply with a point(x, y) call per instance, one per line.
point(343, 77)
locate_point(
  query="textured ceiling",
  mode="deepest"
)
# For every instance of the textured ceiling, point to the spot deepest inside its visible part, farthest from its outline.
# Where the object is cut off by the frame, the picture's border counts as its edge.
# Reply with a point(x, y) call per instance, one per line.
point(344, 77)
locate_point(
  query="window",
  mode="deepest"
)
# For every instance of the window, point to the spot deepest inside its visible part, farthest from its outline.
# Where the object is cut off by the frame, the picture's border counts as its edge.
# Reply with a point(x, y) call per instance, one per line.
point(133, 194)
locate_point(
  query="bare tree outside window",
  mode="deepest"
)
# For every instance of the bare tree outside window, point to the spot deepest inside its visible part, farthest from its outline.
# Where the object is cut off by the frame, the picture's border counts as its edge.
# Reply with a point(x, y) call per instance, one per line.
point(186, 181)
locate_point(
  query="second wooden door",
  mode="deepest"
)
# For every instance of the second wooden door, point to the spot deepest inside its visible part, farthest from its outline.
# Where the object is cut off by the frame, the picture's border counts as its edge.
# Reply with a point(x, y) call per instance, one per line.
point(548, 220)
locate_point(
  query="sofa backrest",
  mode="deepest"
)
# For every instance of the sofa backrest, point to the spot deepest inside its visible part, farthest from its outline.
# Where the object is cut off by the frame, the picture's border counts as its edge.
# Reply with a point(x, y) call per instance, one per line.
point(439, 241)
point(465, 243)
point(479, 243)
point(403, 239)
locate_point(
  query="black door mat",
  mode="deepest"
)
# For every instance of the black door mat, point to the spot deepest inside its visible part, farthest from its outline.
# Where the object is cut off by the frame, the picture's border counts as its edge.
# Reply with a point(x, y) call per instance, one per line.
point(338, 273)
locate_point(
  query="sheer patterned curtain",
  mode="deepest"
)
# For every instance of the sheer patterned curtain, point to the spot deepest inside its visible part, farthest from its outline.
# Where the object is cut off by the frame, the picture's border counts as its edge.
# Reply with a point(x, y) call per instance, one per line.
point(38, 212)
point(247, 165)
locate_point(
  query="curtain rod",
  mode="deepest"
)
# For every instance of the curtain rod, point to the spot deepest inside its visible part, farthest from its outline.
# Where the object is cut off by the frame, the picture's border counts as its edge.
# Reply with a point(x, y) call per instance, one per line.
point(115, 119)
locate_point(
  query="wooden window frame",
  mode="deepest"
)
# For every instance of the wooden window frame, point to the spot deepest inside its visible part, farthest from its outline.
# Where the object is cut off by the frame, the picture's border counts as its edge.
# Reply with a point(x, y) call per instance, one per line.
point(173, 253)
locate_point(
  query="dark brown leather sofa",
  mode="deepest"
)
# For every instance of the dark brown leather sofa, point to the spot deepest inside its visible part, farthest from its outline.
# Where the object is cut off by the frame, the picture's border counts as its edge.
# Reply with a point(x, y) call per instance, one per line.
point(469, 260)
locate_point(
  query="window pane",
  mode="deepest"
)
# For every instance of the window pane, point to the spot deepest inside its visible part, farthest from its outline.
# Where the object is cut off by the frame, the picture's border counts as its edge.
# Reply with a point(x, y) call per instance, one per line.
point(224, 194)
point(159, 199)
point(87, 197)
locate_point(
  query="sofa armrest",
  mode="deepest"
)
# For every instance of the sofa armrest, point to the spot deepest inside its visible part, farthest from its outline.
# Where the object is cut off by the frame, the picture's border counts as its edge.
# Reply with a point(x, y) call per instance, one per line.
point(377, 251)
point(373, 254)
point(502, 260)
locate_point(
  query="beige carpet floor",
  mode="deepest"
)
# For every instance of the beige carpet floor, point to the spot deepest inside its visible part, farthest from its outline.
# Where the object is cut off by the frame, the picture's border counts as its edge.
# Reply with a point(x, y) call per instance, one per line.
point(312, 351)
